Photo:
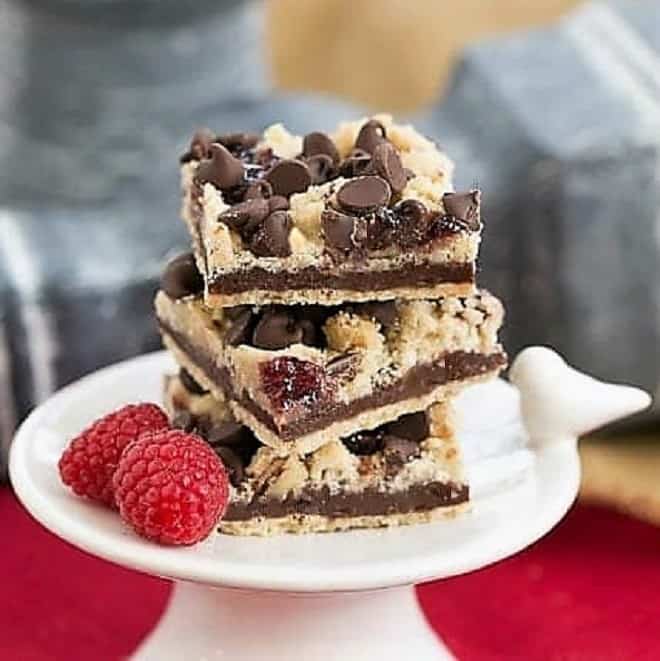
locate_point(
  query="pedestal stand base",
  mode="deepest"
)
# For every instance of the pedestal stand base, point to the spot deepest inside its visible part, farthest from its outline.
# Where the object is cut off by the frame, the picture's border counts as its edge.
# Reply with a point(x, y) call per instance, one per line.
point(204, 624)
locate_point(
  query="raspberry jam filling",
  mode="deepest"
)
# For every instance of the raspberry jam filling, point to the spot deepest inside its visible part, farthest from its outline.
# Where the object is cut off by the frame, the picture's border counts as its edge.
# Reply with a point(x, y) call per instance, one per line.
point(293, 383)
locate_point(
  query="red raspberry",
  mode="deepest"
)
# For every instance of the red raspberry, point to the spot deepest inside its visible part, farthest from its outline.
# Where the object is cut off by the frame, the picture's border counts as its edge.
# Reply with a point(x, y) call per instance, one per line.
point(88, 463)
point(171, 487)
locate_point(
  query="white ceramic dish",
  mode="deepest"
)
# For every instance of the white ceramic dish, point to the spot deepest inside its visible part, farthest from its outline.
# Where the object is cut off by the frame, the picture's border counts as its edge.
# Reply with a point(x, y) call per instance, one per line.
point(521, 489)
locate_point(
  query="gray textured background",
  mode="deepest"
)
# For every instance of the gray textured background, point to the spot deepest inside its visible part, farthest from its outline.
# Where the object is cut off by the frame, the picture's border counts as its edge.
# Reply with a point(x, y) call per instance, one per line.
point(561, 128)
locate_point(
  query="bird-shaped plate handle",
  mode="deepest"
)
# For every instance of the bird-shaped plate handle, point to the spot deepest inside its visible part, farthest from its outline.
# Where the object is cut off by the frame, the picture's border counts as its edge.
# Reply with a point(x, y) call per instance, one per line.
point(558, 402)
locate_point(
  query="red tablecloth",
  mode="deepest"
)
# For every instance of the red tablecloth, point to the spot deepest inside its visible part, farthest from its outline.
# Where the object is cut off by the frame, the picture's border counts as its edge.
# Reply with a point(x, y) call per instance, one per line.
point(590, 590)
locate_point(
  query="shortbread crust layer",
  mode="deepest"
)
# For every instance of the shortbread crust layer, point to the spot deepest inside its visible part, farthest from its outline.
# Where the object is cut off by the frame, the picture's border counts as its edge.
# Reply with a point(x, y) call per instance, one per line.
point(359, 387)
point(405, 472)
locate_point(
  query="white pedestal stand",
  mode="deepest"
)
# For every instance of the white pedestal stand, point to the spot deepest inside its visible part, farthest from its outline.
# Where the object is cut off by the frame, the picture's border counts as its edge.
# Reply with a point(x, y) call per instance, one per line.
point(217, 623)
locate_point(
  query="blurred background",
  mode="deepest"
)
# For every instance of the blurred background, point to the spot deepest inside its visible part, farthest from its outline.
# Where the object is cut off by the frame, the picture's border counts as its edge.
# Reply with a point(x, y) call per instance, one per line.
point(552, 107)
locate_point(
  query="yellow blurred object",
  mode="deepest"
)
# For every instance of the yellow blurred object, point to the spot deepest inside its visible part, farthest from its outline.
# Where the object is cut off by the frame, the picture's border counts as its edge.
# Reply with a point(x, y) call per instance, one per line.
point(623, 474)
point(393, 54)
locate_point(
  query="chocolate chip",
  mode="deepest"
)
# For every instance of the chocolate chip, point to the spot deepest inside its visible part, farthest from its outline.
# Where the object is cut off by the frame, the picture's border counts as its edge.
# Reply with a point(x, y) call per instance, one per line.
point(232, 463)
point(258, 189)
point(412, 223)
point(189, 383)
point(317, 314)
point(406, 225)
point(271, 239)
point(237, 142)
point(276, 330)
point(183, 420)
point(397, 451)
point(310, 319)
point(181, 277)
point(321, 168)
point(464, 206)
point(202, 425)
point(342, 232)
point(278, 203)
point(381, 230)
point(414, 427)
point(221, 169)
point(200, 144)
point(370, 136)
point(248, 446)
point(383, 312)
point(311, 335)
point(226, 433)
point(364, 194)
point(236, 311)
point(289, 176)
point(387, 164)
point(364, 443)
point(319, 143)
point(356, 164)
point(249, 213)
point(411, 211)
point(252, 226)
point(240, 329)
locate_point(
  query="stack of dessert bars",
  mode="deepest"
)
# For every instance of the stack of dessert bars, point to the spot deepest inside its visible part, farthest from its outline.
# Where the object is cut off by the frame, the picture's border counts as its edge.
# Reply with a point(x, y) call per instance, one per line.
point(324, 321)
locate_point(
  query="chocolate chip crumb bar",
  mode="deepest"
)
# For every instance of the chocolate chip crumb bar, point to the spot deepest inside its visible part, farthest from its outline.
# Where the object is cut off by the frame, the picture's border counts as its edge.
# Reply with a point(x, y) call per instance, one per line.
point(367, 213)
point(299, 375)
point(403, 472)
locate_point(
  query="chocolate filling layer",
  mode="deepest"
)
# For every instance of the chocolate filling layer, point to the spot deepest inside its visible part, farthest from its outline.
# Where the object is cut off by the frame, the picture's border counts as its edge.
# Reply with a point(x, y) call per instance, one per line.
point(418, 381)
point(419, 275)
point(371, 502)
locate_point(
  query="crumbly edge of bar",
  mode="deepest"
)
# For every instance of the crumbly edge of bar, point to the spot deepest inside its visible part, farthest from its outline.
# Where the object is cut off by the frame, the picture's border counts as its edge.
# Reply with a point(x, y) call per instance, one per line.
point(218, 246)
point(311, 523)
point(426, 331)
point(366, 420)
point(335, 296)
